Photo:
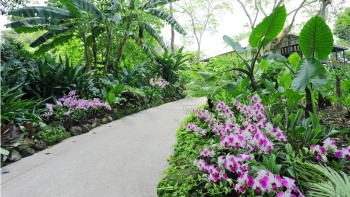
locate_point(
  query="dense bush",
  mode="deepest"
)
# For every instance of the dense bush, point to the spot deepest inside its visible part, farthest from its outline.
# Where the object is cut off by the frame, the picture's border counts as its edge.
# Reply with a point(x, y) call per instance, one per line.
point(52, 135)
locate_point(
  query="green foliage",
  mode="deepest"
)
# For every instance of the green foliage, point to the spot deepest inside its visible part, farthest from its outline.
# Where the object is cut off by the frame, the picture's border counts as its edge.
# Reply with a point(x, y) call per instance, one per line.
point(182, 178)
point(61, 24)
point(309, 72)
point(112, 92)
point(169, 65)
point(326, 181)
point(341, 26)
point(269, 28)
point(15, 108)
point(53, 135)
point(49, 79)
point(316, 39)
point(303, 132)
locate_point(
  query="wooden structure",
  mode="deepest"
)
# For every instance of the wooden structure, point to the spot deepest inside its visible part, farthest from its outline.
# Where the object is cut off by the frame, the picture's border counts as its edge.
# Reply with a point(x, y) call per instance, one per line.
point(291, 45)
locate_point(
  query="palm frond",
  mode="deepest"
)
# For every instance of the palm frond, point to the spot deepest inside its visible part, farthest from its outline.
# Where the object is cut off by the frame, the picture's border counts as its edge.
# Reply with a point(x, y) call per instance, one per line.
point(333, 183)
point(30, 22)
point(155, 3)
point(89, 7)
point(168, 18)
point(45, 37)
point(155, 35)
point(41, 11)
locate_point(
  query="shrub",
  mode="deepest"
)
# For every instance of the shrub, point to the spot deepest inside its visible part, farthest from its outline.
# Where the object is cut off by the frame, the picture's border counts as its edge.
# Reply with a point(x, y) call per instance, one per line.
point(53, 135)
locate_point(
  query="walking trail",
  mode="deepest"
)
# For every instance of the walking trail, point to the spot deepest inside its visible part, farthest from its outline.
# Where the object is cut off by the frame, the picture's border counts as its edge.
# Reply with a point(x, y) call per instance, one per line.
point(123, 158)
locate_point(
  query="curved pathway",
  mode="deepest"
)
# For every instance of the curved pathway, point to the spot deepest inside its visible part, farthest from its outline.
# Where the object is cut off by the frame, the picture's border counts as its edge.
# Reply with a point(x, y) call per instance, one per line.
point(123, 158)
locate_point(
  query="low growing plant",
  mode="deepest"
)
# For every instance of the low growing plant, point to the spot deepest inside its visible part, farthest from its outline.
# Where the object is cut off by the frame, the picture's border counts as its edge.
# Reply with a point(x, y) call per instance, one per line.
point(52, 135)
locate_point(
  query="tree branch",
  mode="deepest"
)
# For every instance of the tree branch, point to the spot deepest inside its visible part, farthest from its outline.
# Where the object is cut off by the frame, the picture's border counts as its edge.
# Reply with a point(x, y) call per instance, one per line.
point(246, 12)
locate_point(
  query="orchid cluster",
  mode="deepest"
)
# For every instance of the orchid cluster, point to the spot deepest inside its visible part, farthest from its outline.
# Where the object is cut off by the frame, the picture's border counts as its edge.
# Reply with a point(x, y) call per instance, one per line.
point(196, 129)
point(160, 82)
point(70, 106)
point(247, 132)
point(329, 145)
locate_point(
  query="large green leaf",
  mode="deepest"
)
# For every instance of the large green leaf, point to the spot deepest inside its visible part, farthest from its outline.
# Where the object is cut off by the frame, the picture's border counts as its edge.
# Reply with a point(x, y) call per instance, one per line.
point(309, 71)
point(235, 45)
point(41, 11)
point(45, 37)
point(168, 18)
point(57, 41)
point(269, 28)
point(155, 3)
point(89, 7)
point(316, 39)
point(30, 22)
point(155, 35)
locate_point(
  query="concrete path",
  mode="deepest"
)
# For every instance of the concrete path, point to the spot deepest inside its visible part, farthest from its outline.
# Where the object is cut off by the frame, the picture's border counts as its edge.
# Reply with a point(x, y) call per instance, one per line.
point(123, 158)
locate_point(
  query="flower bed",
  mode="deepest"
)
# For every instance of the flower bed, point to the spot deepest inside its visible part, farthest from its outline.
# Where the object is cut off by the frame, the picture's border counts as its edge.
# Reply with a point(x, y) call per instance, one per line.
point(237, 151)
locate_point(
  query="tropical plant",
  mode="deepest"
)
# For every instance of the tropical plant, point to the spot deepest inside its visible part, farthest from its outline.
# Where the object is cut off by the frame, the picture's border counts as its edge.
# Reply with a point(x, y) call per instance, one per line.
point(316, 44)
point(134, 13)
point(325, 181)
point(112, 92)
point(260, 37)
point(52, 135)
point(169, 65)
point(15, 108)
point(49, 79)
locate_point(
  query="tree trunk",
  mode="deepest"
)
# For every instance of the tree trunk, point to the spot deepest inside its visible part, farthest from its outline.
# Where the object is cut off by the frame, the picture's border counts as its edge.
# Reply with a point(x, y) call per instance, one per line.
point(253, 83)
point(109, 40)
point(122, 43)
point(309, 101)
point(94, 50)
point(338, 92)
point(322, 11)
point(172, 30)
point(321, 101)
point(87, 54)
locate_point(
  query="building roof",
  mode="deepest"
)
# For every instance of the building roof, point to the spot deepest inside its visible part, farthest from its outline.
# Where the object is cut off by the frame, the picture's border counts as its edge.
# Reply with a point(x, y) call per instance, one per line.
point(245, 42)
point(226, 50)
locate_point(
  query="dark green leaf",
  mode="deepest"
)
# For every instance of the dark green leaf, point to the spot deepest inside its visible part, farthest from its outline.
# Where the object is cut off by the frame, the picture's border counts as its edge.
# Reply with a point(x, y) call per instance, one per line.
point(89, 7)
point(41, 11)
point(269, 28)
point(168, 18)
point(316, 39)
point(308, 72)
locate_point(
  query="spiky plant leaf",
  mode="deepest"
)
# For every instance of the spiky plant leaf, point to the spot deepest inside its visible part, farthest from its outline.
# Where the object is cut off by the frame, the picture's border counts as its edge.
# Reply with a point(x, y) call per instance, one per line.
point(41, 11)
point(155, 35)
point(333, 184)
point(309, 71)
point(168, 18)
point(316, 39)
point(269, 28)
point(89, 7)
point(155, 3)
